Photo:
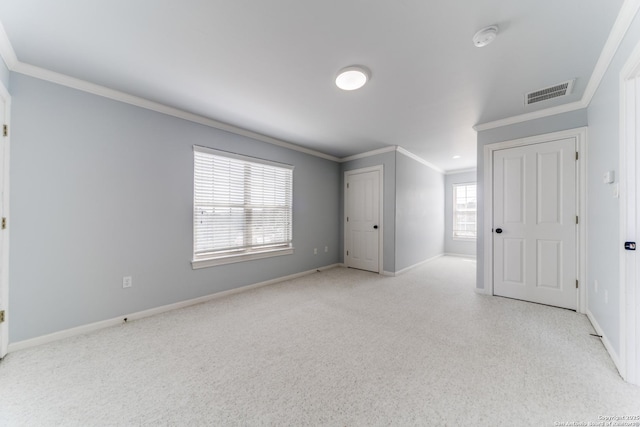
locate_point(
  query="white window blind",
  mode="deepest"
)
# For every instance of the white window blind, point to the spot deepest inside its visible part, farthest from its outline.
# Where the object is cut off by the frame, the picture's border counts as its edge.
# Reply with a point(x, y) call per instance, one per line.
point(464, 211)
point(242, 207)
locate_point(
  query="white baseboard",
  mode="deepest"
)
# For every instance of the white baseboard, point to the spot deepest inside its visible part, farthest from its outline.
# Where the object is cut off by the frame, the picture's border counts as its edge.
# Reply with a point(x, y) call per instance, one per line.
point(483, 291)
point(79, 330)
point(411, 267)
point(471, 256)
point(607, 345)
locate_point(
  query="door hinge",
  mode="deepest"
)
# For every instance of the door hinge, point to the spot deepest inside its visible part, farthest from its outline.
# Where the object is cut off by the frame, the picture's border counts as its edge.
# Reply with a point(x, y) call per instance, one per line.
point(4, 223)
point(347, 185)
point(576, 283)
point(577, 155)
point(347, 253)
point(576, 219)
point(1, 316)
point(5, 130)
point(347, 219)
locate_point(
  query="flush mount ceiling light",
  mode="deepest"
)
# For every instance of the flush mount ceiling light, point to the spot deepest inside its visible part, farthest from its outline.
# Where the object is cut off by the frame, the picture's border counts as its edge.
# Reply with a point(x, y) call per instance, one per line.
point(456, 156)
point(352, 78)
point(485, 36)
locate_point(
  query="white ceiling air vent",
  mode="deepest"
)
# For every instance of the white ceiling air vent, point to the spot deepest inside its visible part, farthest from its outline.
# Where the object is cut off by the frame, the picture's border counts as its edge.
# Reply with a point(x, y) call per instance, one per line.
point(561, 89)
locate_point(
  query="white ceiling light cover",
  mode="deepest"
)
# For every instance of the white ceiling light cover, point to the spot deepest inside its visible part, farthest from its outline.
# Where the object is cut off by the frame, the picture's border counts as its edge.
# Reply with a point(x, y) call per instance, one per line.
point(353, 77)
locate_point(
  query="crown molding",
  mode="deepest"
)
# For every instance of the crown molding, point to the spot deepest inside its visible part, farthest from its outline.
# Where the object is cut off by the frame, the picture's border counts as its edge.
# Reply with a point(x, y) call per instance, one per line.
point(368, 154)
point(85, 86)
point(625, 17)
point(12, 62)
point(6, 50)
point(627, 13)
point(456, 171)
point(392, 148)
point(564, 108)
point(419, 159)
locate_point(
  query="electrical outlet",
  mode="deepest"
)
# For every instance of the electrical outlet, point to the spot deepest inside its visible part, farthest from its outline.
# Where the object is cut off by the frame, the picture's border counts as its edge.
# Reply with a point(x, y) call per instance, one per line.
point(127, 282)
point(315, 251)
point(326, 248)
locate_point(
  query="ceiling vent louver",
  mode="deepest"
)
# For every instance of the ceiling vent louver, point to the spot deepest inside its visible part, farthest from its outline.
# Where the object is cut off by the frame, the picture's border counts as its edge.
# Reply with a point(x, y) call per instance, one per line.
point(555, 91)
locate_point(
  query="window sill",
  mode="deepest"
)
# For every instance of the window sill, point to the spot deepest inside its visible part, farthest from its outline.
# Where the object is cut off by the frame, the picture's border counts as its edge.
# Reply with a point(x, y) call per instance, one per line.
point(466, 239)
point(230, 259)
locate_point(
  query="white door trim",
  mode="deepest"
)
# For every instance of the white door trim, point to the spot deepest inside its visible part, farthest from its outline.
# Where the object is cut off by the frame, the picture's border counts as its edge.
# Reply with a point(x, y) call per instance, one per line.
point(629, 357)
point(380, 169)
point(580, 134)
point(4, 260)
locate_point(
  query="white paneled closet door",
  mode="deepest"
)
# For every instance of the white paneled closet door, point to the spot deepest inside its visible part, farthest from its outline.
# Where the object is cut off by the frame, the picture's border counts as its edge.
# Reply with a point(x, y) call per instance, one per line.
point(363, 220)
point(534, 224)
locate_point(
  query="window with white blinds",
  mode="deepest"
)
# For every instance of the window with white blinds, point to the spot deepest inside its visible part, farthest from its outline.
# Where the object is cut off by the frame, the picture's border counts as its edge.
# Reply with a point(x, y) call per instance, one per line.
point(241, 209)
point(464, 211)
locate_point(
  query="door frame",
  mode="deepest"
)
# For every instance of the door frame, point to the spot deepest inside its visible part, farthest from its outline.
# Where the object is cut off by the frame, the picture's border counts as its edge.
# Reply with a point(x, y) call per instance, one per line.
point(4, 259)
point(629, 357)
point(380, 170)
point(580, 134)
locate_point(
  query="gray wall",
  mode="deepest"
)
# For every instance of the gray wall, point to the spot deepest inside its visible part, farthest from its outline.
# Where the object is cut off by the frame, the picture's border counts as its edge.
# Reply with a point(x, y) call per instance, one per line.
point(602, 208)
point(564, 121)
point(388, 160)
point(413, 209)
point(102, 189)
point(570, 120)
point(419, 212)
point(457, 246)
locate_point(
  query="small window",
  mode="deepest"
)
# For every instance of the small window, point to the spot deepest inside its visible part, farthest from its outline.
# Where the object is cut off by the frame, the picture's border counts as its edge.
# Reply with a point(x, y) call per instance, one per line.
point(241, 209)
point(464, 211)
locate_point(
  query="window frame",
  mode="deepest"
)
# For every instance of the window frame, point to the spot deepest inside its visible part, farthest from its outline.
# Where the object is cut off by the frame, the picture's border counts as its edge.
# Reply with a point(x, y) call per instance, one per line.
point(455, 211)
point(214, 258)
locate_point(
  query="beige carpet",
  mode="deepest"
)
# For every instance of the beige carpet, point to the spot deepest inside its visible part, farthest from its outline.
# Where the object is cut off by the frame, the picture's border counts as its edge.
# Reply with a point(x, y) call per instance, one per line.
point(341, 348)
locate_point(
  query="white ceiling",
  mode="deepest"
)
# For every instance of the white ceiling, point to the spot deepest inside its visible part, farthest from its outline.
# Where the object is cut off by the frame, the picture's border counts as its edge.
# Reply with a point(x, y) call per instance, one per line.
point(269, 66)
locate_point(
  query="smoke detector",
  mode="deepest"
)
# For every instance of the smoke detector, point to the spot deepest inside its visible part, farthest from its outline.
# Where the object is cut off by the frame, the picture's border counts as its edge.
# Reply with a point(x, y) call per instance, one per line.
point(485, 36)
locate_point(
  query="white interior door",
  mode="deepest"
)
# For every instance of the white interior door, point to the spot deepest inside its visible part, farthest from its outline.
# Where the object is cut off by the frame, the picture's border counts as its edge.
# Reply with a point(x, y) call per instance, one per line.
point(534, 222)
point(362, 220)
point(4, 240)
point(630, 225)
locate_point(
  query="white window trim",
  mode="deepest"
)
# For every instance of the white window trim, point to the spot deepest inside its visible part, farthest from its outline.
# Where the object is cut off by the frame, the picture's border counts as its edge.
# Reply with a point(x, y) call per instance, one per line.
point(453, 219)
point(230, 258)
